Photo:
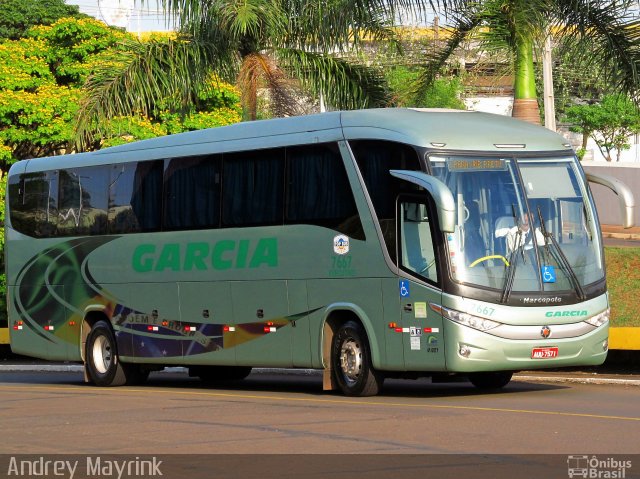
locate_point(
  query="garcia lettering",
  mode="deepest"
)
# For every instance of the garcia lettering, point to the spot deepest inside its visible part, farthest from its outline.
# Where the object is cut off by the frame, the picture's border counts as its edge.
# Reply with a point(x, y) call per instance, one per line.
point(565, 314)
point(222, 255)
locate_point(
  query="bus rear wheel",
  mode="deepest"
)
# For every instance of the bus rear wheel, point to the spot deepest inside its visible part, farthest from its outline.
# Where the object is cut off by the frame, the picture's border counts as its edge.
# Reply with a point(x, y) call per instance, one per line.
point(102, 362)
point(493, 380)
point(351, 362)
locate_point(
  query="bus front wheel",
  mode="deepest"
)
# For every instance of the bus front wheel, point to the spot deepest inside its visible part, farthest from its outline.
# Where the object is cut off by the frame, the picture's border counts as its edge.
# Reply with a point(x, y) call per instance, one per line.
point(493, 380)
point(351, 362)
point(102, 362)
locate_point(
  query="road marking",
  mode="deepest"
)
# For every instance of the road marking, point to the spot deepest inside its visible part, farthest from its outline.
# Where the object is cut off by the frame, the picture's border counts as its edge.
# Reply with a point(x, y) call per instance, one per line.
point(345, 401)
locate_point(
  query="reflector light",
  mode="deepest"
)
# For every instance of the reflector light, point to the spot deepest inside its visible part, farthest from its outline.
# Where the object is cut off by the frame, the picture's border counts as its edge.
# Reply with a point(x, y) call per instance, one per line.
point(48, 327)
point(189, 328)
point(270, 323)
point(165, 323)
point(270, 329)
point(431, 330)
point(72, 323)
point(398, 330)
point(393, 325)
point(267, 329)
point(152, 328)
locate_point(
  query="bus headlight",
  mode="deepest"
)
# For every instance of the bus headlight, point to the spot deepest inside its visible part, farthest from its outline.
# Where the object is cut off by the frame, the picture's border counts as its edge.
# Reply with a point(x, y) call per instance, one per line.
point(466, 319)
point(599, 319)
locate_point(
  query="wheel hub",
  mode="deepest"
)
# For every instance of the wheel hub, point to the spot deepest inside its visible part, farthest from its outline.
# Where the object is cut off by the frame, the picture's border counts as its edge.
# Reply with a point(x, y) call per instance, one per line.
point(102, 354)
point(351, 360)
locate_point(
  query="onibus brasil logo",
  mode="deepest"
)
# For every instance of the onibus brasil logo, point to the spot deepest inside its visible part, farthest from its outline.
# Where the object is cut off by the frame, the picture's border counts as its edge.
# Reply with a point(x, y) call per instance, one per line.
point(597, 468)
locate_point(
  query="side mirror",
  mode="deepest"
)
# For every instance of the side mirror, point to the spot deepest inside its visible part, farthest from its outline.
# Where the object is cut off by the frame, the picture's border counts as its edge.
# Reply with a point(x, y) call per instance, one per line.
point(625, 196)
point(445, 204)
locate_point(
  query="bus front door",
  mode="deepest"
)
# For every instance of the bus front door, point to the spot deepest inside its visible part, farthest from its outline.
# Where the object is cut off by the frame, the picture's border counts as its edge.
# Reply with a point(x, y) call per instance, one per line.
point(421, 326)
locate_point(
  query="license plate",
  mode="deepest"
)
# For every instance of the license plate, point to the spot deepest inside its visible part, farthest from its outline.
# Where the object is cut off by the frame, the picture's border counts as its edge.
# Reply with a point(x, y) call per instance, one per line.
point(544, 353)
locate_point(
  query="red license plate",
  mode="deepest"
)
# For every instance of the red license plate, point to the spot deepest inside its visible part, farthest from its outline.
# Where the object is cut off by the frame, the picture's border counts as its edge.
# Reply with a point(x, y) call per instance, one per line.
point(544, 353)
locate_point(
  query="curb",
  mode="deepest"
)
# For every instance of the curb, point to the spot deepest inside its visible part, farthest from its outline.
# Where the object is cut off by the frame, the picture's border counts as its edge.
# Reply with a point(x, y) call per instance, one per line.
point(577, 380)
point(76, 368)
point(623, 236)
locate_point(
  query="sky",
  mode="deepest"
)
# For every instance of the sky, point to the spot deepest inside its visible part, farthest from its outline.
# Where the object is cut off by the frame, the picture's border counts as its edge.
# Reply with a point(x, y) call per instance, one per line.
point(129, 14)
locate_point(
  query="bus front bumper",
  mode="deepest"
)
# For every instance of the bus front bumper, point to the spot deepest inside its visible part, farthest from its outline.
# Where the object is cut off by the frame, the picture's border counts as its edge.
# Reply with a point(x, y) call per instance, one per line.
point(470, 350)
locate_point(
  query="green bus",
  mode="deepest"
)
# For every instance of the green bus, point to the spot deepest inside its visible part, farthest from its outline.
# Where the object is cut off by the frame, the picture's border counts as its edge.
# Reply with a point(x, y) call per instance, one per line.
point(368, 244)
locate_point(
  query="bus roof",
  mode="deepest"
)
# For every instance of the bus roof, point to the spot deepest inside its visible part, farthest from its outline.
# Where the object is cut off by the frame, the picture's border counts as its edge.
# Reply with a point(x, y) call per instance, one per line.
point(458, 130)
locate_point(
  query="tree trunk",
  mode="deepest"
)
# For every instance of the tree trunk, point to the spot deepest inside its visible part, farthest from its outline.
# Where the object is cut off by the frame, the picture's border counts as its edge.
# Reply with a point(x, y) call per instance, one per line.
point(526, 109)
point(525, 103)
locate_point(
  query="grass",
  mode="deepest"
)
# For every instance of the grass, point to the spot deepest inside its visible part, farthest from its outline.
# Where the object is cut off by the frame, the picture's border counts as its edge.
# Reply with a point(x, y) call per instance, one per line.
point(623, 281)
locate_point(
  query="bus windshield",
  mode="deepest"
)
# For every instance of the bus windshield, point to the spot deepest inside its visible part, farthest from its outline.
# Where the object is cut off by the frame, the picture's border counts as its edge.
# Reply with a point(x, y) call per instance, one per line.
point(521, 224)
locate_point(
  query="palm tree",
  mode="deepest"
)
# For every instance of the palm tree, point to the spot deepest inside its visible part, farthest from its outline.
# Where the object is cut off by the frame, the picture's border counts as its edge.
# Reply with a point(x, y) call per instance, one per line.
point(276, 45)
point(601, 29)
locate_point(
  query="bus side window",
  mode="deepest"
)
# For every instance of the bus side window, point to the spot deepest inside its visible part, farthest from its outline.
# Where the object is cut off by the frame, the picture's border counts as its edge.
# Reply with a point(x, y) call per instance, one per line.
point(417, 252)
point(83, 201)
point(319, 192)
point(33, 203)
point(253, 188)
point(135, 197)
point(375, 158)
point(192, 193)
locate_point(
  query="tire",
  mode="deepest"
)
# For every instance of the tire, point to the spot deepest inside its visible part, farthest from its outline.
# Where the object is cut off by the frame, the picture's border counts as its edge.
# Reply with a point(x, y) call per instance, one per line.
point(351, 362)
point(103, 363)
point(220, 374)
point(493, 380)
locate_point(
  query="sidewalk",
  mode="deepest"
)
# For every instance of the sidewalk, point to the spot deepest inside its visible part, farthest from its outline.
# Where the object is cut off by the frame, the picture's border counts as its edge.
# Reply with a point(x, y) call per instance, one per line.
point(618, 232)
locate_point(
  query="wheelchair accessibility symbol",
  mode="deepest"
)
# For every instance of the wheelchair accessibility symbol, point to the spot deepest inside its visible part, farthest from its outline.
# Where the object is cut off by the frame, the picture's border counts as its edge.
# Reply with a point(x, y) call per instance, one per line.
point(548, 274)
point(404, 288)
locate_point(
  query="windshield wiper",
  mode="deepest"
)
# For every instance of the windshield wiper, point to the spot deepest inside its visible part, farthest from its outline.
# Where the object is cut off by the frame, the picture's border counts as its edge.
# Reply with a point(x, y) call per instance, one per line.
point(549, 238)
point(510, 267)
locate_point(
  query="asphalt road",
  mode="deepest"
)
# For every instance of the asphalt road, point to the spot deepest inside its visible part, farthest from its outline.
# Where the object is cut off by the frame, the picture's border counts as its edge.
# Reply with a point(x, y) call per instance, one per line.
point(276, 413)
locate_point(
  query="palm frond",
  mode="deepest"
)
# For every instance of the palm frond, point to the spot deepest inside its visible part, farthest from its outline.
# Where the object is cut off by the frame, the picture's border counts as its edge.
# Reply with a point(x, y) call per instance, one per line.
point(464, 25)
point(146, 76)
point(260, 71)
point(614, 40)
point(334, 26)
point(343, 84)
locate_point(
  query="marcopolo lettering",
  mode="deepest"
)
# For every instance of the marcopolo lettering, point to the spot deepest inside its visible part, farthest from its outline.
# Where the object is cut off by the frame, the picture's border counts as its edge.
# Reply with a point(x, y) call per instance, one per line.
point(224, 254)
point(565, 314)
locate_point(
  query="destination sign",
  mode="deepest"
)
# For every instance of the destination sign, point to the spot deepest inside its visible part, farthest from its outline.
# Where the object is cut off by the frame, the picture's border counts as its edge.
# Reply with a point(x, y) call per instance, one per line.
point(476, 164)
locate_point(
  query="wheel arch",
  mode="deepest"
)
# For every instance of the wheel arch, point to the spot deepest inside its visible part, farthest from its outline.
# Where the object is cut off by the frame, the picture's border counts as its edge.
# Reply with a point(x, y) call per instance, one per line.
point(338, 314)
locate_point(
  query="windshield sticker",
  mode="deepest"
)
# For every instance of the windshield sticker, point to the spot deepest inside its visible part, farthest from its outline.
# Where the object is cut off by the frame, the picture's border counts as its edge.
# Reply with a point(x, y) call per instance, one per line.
point(341, 244)
point(548, 274)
